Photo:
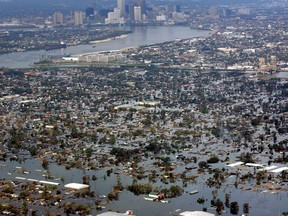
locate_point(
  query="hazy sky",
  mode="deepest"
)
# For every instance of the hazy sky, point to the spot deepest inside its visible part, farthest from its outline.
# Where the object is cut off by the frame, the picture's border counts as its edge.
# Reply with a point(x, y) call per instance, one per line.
point(16, 8)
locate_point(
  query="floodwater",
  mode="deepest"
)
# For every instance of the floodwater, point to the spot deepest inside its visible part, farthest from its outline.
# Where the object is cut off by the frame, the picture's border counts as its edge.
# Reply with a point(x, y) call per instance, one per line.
point(260, 203)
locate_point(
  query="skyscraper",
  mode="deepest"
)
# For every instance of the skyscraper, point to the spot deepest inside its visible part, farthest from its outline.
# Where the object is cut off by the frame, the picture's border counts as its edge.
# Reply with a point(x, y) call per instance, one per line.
point(78, 17)
point(137, 13)
point(58, 18)
point(121, 7)
point(89, 13)
point(114, 17)
point(94, 5)
point(131, 11)
point(213, 12)
point(178, 8)
point(142, 4)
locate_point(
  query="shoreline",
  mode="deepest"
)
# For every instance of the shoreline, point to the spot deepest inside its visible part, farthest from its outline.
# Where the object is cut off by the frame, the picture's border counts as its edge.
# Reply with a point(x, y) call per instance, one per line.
point(109, 39)
point(33, 55)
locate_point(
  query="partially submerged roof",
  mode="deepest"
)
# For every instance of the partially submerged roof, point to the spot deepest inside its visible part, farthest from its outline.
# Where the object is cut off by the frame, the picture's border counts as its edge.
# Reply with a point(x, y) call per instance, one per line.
point(236, 164)
point(195, 213)
point(268, 168)
point(279, 170)
point(76, 186)
point(110, 214)
point(254, 165)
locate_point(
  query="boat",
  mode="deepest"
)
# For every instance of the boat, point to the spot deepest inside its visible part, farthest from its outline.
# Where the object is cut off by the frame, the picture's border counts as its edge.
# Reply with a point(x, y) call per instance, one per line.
point(193, 192)
point(55, 46)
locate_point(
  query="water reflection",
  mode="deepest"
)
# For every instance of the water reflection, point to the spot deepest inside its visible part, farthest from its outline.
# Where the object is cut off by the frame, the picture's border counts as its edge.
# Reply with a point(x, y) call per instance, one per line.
point(260, 203)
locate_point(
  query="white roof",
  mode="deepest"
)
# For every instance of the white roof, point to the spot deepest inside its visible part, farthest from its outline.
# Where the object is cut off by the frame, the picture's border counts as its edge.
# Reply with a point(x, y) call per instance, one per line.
point(110, 214)
point(195, 213)
point(116, 214)
point(279, 170)
point(21, 178)
point(50, 183)
point(268, 168)
point(27, 101)
point(76, 186)
point(254, 165)
point(236, 164)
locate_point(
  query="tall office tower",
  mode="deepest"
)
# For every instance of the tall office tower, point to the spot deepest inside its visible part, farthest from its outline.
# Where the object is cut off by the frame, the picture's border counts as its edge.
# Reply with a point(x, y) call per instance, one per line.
point(137, 13)
point(121, 7)
point(178, 8)
point(89, 13)
point(213, 12)
point(114, 17)
point(58, 18)
point(170, 8)
point(94, 5)
point(142, 4)
point(78, 17)
point(94, 8)
point(131, 11)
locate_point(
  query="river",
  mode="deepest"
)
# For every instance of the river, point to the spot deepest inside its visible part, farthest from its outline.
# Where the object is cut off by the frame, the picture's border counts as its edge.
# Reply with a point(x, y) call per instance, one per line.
point(142, 35)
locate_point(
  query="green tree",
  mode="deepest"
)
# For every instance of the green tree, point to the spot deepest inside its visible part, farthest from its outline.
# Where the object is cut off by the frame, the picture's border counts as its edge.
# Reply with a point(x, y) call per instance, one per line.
point(112, 139)
point(85, 179)
point(89, 152)
point(246, 208)
point(213, 159)
point(227, 200)
point(45, 163)
point(94, 137)
point(176, 190)
point(118, 185)
point(219, 206)
point(234, 208)
point(33, 150)
point(74, 132)
point(202, 164)
point(24, 208)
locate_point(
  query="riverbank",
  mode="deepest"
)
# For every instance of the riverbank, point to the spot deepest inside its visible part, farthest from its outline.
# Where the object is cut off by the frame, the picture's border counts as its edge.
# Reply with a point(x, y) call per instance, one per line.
point(51, 36)
point(140, 36)
point(109, 39)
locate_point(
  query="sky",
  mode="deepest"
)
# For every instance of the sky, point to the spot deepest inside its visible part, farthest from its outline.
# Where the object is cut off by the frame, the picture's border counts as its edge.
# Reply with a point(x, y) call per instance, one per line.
point(45, 7)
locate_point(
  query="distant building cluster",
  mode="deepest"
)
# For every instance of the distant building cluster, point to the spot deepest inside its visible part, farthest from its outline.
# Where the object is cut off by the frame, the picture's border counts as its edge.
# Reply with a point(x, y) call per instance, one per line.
point(135, 12)
point(78, 18)
point(268, 64)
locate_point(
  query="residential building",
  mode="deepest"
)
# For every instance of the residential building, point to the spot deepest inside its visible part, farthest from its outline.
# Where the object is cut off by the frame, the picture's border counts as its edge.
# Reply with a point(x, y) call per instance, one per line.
point(78, 18)
point(58, 18)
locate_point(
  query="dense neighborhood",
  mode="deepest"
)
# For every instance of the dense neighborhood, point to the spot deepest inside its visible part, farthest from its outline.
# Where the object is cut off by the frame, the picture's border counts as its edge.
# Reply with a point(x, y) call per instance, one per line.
point(195, 126)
